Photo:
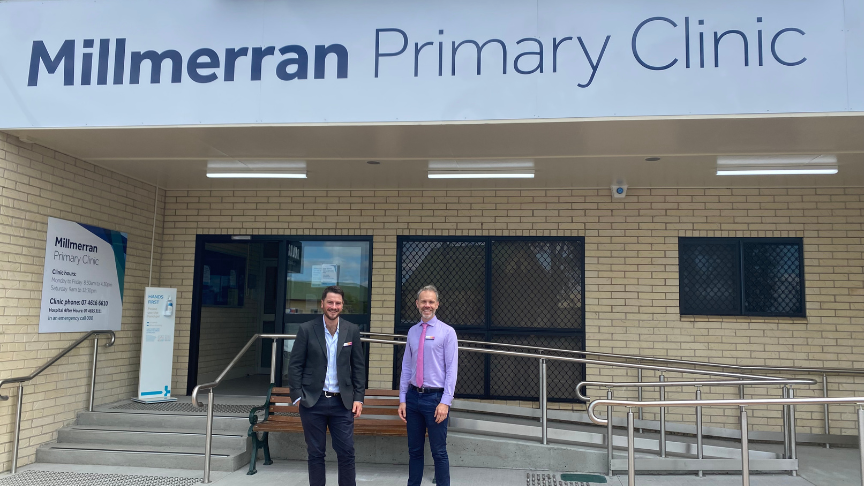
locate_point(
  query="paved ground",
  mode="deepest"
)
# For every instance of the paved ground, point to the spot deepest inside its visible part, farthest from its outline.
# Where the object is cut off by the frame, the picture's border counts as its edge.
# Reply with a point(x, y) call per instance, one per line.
point(819, 467)
point(293, 473)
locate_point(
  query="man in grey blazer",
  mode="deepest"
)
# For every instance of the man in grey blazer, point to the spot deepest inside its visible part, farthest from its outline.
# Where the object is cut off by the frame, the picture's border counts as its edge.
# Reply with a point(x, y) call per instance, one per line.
point(327, 375)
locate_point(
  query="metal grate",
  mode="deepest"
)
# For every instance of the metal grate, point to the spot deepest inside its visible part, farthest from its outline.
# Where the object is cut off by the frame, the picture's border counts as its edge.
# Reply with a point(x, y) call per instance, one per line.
point(537, 284)
point(184, 407)
point(710, 281)
point(741, 276)
point(54, 478)
point(527, 291)
point(546, 479)
point(456, 268)
point(772, 278)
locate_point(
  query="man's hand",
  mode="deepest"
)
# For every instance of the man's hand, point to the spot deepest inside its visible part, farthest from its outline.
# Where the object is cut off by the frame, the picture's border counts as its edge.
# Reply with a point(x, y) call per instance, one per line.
point(357, 409)
point(441, 412)
point(401, 412)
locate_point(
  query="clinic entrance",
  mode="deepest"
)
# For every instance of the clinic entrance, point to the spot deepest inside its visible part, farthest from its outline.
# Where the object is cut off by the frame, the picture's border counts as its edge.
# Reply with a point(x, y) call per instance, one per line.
point(245, 285)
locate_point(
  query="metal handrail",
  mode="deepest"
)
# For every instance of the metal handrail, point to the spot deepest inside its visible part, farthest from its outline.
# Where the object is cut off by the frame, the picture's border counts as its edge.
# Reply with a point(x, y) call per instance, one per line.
point(742, 404)
point(662, 385)
point(659, 384)
point(792, 369)
point(541, 357)
point(24, 379)
point(783, 369)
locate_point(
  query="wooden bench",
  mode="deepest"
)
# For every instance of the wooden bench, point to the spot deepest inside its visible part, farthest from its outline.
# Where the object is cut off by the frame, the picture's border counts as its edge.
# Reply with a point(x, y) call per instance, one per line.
point(379, 417)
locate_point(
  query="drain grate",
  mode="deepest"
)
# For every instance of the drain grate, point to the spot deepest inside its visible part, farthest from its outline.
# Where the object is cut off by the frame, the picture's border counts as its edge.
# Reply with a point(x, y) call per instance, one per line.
point(547, 479)
point(184, 408)
point(55, 478)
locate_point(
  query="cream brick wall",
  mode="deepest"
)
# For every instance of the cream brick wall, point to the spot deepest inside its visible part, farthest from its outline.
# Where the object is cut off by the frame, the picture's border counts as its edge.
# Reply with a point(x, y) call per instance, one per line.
point(631, 267)
point(36, 183)
point(631, 271)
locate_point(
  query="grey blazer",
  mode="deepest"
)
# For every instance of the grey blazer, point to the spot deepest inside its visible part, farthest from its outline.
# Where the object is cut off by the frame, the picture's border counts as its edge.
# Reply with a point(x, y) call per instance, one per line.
point(308, 364)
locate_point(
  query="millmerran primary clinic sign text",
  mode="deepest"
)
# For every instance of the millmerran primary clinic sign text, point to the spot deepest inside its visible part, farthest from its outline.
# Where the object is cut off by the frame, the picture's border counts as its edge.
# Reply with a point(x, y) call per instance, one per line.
point(137, 62)
point(82, 284)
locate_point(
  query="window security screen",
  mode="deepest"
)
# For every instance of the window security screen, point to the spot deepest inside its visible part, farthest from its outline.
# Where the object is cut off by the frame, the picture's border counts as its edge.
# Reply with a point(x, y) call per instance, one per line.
point(741, 276)
point(506, 290)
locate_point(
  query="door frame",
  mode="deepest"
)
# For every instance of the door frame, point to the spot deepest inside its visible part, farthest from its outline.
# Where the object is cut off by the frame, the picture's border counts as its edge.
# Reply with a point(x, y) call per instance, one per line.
point(281, 284)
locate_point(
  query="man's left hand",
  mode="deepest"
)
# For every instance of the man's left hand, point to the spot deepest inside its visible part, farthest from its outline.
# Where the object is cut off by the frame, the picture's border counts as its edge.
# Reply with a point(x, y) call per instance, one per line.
point(357, 409)
point(441, 412)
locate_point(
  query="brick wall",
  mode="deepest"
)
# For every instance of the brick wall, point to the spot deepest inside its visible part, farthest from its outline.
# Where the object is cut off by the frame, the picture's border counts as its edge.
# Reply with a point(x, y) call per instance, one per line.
point(37, 183)
point(631, 267)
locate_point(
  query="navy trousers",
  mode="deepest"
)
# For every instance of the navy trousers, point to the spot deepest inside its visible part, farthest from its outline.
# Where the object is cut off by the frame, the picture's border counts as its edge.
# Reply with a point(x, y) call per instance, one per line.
point(420, 414)
point(329, 413)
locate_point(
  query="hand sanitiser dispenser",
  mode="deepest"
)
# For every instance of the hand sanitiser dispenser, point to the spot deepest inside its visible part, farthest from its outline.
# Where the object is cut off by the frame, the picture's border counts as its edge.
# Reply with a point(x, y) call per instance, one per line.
point(169, 308)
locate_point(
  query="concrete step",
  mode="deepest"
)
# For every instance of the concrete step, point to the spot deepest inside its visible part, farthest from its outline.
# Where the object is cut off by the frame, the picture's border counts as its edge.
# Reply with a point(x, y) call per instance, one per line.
point(164, 421)
point(112, 435)
point(169, 457)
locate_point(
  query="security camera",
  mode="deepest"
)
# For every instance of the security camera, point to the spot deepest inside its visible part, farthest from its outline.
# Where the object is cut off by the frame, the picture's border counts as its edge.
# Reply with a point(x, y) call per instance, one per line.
point(619, 190)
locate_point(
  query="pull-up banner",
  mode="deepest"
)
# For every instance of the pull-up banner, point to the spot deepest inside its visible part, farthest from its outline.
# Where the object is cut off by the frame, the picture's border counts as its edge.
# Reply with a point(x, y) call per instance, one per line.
point(80, 63)
point(82, 283)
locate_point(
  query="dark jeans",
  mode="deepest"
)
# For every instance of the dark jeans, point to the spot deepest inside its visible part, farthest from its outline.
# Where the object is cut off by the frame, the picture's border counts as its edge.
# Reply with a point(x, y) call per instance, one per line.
point(329, 412)
point(420, 414)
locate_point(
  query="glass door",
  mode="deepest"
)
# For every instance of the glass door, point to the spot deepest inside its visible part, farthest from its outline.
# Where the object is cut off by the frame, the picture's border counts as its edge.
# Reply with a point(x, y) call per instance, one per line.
point(323, 263)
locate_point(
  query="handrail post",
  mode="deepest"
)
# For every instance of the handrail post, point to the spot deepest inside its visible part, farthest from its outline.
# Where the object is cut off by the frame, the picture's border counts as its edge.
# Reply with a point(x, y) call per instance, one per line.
point(793, 435)
point(662, 419)
point(273, 362)
point(861, 439)
point(17, 438)
point(827, 420)
point(93, 374)
point(699, 447)
point(631, 448)
point(543, 429)
point(209, 438)
point(639, 391)
point(787, 454)
point(745, 449)
point(609, 451)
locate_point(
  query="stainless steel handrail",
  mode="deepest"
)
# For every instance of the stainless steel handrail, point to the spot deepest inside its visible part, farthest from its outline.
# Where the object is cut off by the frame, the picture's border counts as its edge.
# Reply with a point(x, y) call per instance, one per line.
point(658, 384)
point(791, 369)
point(742, 404)
point(665, 384)
point(541, 357)
point(24, 379)
point(783, 369)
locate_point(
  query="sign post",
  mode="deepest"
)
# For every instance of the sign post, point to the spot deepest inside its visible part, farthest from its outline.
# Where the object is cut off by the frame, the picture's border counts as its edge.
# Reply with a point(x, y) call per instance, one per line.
point(157, 346)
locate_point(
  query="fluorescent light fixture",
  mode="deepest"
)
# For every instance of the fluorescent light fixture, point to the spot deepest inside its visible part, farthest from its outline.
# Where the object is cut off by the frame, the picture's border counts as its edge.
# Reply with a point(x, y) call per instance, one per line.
point(481, 169)
point(257, 169)
point(777, 164)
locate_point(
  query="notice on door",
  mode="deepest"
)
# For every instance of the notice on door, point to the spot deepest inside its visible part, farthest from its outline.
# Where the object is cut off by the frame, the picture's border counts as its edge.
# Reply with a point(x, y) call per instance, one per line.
point(82, 283)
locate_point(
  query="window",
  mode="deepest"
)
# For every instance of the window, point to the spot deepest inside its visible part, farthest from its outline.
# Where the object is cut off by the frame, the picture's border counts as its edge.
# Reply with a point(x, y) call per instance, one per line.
point(741, 276)
point(526, 291)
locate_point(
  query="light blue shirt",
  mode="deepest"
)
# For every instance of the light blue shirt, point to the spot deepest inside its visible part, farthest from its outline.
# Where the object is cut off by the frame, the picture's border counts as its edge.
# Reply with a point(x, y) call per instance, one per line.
point(331, 380)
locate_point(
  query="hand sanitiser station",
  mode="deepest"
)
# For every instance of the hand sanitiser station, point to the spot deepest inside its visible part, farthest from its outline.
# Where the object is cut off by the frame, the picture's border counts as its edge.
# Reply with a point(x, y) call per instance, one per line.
point(157, 346)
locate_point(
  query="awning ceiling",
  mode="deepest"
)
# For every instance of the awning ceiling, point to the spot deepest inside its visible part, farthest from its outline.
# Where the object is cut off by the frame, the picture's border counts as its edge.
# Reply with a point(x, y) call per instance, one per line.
point(568, 153)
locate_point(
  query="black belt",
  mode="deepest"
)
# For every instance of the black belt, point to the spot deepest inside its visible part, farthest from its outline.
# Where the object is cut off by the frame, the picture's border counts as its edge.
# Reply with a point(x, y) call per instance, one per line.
point(328, 394)
point(426, 390)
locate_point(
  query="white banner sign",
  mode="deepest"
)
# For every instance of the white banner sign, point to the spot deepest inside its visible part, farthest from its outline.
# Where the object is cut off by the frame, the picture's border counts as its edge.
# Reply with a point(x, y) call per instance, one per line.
point(81, 63)
point(157, 345)
point(82, 283)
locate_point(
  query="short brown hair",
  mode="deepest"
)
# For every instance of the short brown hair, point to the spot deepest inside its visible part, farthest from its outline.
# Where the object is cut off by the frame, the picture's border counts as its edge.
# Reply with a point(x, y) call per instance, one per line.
point(333, 289)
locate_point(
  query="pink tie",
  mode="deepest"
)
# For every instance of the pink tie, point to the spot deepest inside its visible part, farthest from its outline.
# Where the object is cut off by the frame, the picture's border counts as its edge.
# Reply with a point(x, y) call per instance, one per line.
point(419, 374)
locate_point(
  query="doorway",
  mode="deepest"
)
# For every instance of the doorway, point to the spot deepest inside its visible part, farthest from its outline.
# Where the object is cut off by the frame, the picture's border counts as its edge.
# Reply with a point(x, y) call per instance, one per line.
point(246, 285)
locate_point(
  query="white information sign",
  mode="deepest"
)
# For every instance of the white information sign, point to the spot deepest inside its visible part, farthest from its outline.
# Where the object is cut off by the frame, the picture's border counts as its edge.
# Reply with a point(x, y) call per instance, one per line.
point(82, 282)
point(104, 63)
point(157, 345)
